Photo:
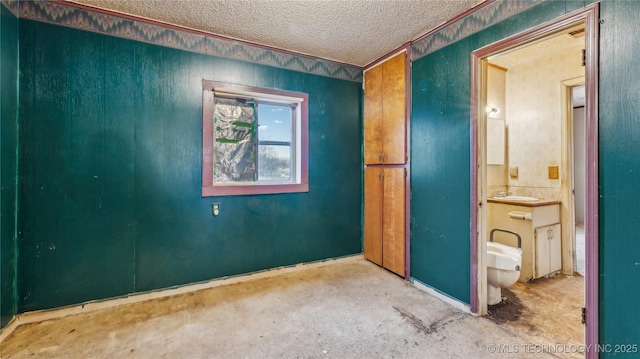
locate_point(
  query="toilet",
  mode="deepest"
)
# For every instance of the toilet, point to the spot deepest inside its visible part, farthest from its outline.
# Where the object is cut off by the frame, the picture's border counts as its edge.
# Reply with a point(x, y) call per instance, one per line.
point(503, 269)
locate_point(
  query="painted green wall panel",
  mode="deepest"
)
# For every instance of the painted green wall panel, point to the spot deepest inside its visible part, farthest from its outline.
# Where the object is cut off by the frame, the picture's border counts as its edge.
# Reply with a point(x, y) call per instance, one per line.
point(111, 186)
point(619, 127)
point(436, 170)
point(109, 170)
point(439, 172)
point(70, 203)
point(8, 161)
point(440, 150)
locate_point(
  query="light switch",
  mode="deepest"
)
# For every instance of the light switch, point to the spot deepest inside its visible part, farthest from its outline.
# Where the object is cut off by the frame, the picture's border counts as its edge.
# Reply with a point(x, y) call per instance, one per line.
point(553, 172)
point(215, 208)
point(513, 171)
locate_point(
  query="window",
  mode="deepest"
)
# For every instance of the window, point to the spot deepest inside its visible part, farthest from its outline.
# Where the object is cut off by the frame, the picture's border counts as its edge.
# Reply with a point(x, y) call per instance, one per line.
point(254, 140)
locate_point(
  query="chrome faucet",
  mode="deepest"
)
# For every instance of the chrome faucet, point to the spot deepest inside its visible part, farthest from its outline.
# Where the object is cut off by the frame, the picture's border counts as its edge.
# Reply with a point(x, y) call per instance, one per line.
point(503, 193)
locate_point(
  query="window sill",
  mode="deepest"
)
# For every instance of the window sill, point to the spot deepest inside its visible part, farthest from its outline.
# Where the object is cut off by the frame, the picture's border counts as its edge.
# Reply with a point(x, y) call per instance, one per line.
point(212, 191)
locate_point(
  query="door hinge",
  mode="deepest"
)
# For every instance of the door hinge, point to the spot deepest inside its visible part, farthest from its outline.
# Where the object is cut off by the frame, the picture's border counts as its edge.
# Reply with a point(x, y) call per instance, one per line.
point(584, 315)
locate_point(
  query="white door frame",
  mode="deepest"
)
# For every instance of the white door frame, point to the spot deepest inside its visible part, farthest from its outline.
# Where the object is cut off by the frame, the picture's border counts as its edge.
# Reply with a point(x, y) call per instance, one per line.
point(567, 209)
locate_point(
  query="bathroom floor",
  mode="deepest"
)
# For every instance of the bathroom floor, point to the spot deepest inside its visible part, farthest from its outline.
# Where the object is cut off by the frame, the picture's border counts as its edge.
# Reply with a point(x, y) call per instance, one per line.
point(549, 308)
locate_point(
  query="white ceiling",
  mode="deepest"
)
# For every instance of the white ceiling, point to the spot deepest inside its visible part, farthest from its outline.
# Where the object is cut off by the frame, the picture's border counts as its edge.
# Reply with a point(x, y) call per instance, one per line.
point(547, 47)
point(355, 32)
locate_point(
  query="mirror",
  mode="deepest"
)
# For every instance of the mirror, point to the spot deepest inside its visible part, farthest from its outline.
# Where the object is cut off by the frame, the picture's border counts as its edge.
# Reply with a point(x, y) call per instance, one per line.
point(495, 141)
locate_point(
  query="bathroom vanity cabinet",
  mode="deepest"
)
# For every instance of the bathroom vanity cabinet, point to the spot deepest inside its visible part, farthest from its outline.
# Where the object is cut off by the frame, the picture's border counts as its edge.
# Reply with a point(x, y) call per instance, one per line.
point(540, 232)
point(385, 112)
point(548, 250)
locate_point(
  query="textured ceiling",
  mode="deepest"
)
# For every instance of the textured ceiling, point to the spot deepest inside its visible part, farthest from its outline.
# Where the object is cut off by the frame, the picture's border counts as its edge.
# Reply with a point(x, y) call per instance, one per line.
point(355, 32)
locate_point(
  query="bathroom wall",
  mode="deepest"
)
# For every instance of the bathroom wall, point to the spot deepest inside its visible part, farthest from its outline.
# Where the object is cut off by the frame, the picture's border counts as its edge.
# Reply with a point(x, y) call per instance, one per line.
point(8, 160)
point(110, 174)
point(496, 97)
point(534, 119)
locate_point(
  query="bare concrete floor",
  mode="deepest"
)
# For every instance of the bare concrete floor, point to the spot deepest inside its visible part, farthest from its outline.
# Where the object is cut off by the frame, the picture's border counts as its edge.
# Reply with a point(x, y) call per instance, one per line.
point(546, 310)
point(350, 309)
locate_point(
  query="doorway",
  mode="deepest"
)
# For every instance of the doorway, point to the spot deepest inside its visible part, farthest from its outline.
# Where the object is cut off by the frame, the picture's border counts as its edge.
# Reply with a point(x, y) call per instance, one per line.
point(480, 192)
point(579, 158)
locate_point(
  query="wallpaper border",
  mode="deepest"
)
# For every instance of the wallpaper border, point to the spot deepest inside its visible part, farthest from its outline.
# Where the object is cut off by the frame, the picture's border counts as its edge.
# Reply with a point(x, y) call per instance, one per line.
point(478, 20)
point(157, 34)
point(146, 31)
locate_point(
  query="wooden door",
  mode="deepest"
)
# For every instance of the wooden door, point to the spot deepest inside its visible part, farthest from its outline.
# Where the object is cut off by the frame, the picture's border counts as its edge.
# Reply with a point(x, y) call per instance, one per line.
point(373, 197)
point(393, 111)
point(373, 116)
point(385, 112)
point(393, 220)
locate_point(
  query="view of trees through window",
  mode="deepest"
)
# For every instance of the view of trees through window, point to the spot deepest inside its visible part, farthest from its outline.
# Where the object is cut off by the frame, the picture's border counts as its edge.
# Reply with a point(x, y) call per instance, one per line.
point(272, 166)
point(274, 139)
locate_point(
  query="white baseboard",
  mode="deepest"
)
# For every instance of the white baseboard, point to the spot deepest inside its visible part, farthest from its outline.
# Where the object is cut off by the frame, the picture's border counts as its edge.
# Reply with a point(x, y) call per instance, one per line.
point(42, 315)
point(443, 297)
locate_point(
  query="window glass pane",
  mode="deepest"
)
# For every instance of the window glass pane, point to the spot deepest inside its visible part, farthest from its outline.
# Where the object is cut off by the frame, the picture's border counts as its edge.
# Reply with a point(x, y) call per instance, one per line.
point(254, 140)
point(235, 145)
point(274, 163)
point(274, 123)
point(274, 139)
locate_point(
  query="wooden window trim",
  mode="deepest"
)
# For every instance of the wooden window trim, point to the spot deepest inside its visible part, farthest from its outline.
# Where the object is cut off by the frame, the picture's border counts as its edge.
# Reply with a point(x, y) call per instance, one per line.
point(209, 189)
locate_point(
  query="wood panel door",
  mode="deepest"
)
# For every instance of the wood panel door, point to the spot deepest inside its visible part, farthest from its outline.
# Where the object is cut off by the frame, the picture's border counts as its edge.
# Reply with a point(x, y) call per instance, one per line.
point(393, 111)
point(373, 197)
point(373, 116)
point(393, 220)
point(384, 217)
point(385, 113)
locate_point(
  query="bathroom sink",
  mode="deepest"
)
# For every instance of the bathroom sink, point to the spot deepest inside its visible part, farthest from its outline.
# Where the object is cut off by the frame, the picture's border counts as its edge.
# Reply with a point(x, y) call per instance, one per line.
point(517, 198)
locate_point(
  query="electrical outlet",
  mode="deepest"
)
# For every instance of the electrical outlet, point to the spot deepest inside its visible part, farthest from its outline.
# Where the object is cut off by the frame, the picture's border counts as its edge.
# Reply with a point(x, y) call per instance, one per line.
point(553, 172)
point(215, 208)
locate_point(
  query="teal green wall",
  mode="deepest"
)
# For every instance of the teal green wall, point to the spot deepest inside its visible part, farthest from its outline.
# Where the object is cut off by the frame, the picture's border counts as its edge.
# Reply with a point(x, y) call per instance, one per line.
point(8, 140)
point(440, 183)
point(110, 141)
point(440, 171)
point(619, 173)
point(440, 155)
point(110, 168)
